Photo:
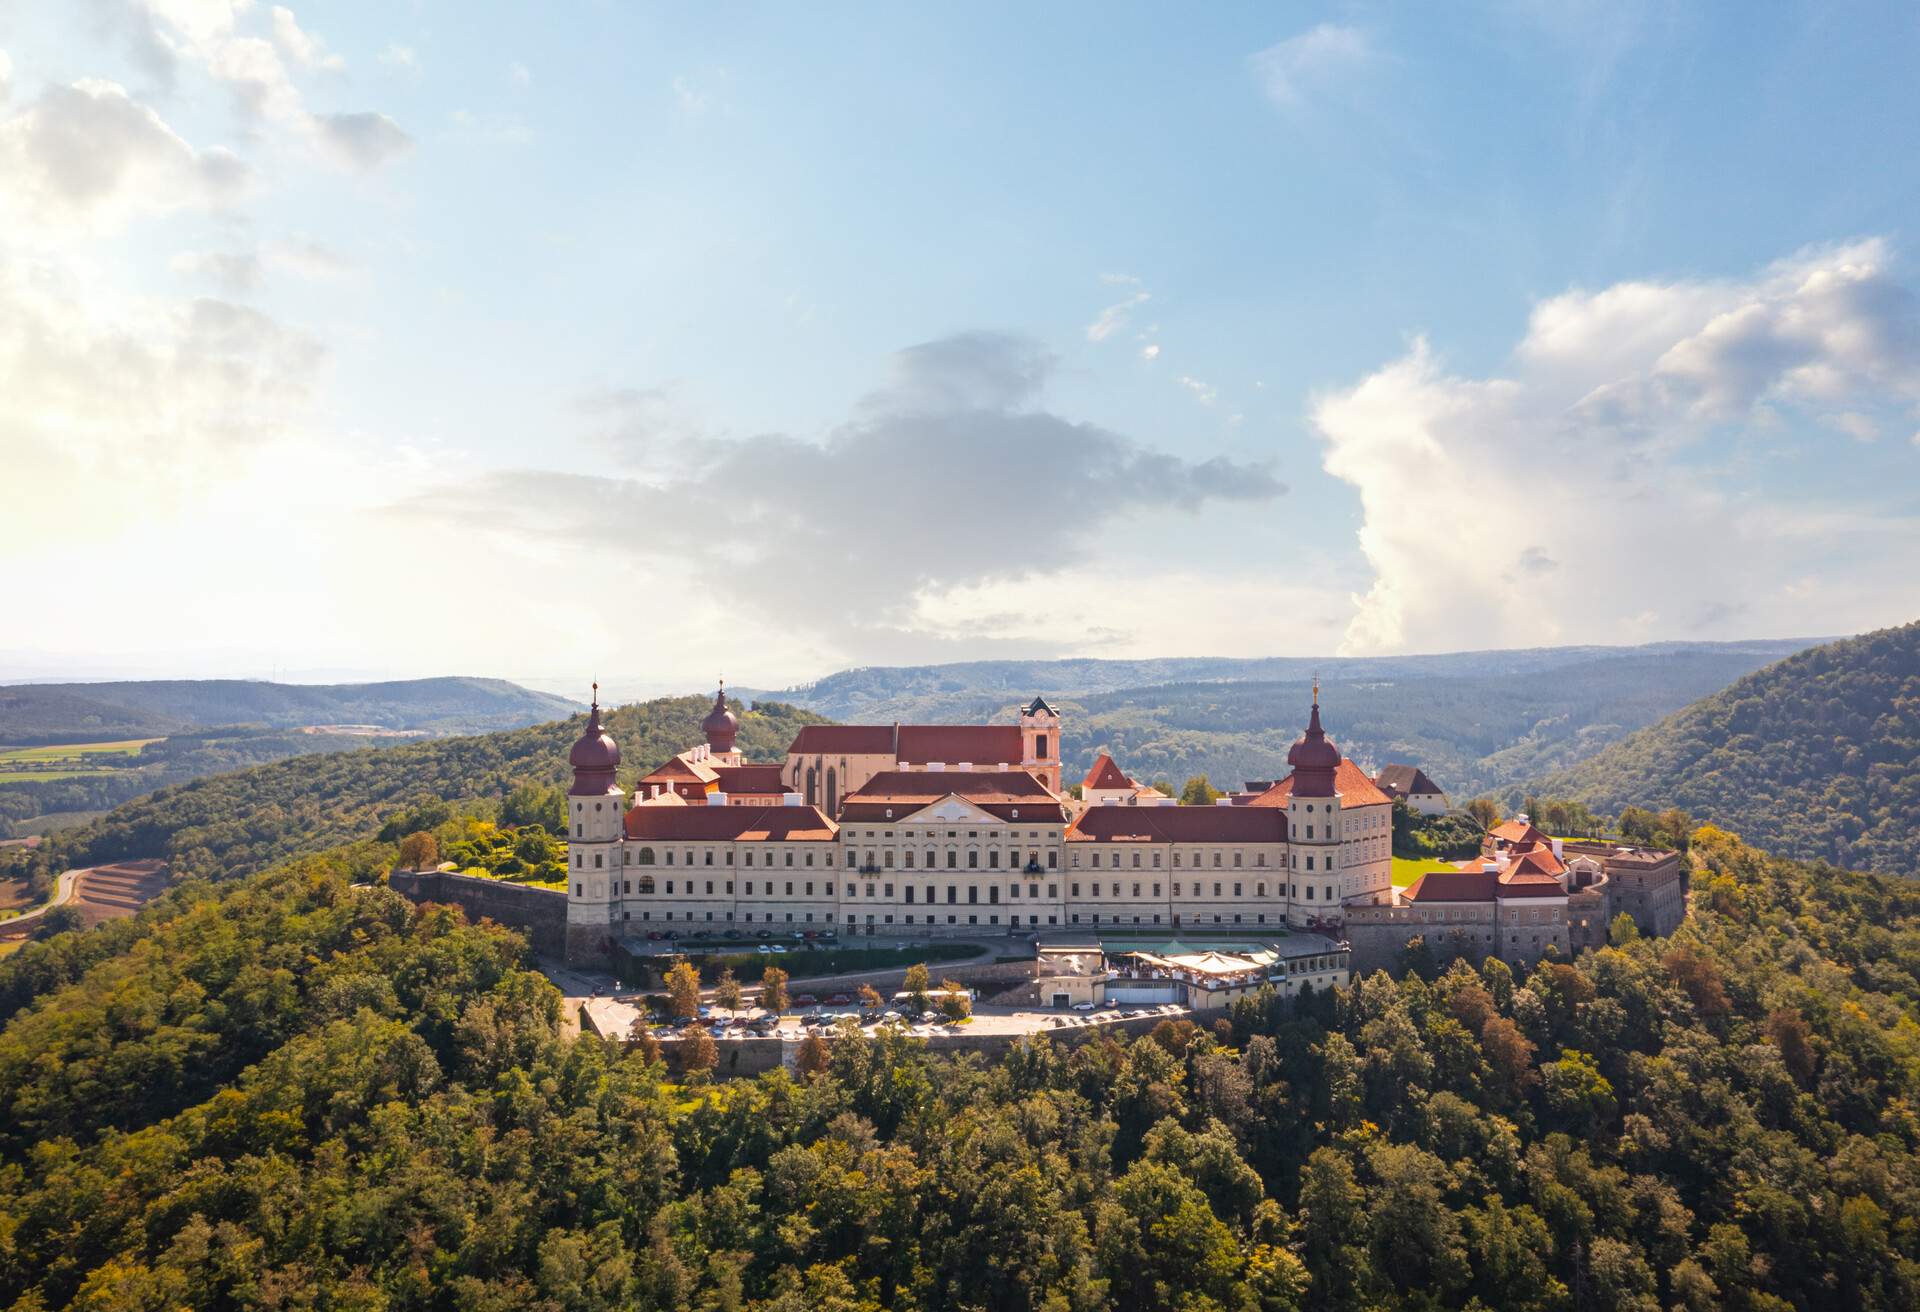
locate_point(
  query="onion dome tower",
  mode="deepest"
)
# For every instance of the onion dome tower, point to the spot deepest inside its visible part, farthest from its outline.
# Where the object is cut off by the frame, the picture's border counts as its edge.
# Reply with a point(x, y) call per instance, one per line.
point(595, 757)
point(596, 828)
point(721, 724)
point(1314, 758)
point(1315, 879)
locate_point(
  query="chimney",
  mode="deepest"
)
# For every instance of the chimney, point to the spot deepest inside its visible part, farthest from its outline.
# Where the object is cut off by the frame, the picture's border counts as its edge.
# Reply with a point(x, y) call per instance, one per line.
point(1223, 801)
point(716, 798)
point(937, 766)
point(966, 767)
point(791, 799)
point(1558, 853)
point(1489, 868)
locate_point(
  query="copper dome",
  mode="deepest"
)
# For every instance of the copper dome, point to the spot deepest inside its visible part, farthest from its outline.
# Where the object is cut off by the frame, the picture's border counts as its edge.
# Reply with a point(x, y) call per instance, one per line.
point(595, 749)
point(721, 724)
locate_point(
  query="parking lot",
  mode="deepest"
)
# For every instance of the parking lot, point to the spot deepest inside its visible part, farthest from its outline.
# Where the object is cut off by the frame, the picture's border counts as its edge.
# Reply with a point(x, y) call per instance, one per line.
point(615, 1017)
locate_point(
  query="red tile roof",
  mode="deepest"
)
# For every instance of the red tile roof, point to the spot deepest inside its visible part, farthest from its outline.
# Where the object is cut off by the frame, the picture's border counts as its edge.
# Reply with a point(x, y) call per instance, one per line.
point(720, 824)
point(956, 744)
point(1105, 774)
point(1178, 824)
point(843, 740)
point(998, 792)
point(1452, 886)
point(1516, 833)
point(1529, 883)
point(915, 744)
point(754, 778)
point(1349, 780)
point(679, 767)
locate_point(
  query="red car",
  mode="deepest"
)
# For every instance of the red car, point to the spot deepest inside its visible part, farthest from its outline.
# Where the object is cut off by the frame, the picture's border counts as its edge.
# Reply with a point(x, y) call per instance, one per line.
point(840, 999)
point(804, 999)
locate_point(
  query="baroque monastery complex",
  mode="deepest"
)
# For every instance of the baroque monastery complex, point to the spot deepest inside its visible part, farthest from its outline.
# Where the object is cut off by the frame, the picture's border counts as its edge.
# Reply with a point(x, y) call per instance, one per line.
point(965, 830)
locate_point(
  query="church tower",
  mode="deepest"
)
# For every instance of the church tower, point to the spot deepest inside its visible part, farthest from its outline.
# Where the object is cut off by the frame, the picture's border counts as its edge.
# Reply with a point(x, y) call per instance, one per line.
point(595, 827)
point(1040, 742)
point(1313, 824)
point(721, 726)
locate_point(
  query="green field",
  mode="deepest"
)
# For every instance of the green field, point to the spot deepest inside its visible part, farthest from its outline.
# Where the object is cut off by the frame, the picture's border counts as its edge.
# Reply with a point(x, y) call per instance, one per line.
point(1406, 869)
point(73, 751)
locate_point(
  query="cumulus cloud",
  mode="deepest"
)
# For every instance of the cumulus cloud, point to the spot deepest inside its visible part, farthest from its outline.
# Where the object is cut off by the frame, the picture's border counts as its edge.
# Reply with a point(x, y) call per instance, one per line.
point(90, 155)
point(233, 272)
point(948, 475)
point(303, 47)
point(1575, 506)
point(213, 35)
point(239, 272)
point(1295, 70)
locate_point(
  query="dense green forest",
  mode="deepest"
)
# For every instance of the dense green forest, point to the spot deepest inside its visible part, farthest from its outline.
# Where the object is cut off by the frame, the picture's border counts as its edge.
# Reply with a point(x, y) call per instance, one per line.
point(1478, 722)
point(242, 821)
point(32, 713)
point(290, 1092)
point(1817, 756)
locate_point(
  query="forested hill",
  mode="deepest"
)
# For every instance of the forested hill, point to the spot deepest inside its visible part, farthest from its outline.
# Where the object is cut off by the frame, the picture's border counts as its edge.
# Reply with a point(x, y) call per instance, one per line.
point(1478, 722)
point(1817, 756)
point(284, 1092)
point(36, 713)
point(239, 822)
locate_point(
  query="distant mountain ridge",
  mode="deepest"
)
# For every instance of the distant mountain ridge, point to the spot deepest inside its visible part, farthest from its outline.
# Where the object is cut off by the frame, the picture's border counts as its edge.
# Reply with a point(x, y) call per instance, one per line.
point(39, 713)
point(1477, 721)
point(1815, 757)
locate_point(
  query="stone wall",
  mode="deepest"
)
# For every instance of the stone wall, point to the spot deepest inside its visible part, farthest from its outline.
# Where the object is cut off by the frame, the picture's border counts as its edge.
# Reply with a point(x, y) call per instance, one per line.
point(539, 913)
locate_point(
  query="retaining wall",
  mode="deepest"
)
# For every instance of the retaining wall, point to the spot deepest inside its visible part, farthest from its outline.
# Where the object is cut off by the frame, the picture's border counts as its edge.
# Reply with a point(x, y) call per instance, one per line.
point(539, 913)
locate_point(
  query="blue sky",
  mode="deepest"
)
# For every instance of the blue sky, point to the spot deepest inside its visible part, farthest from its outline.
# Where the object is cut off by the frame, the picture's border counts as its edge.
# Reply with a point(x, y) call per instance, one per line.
point(776, 339)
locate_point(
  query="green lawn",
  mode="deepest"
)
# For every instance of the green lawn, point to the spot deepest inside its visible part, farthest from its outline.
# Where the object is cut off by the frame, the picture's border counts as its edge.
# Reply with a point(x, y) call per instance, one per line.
point(1406, 869)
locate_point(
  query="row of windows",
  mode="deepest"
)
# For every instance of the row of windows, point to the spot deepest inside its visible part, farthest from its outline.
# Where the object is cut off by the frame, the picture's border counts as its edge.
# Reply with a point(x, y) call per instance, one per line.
point(884, 859)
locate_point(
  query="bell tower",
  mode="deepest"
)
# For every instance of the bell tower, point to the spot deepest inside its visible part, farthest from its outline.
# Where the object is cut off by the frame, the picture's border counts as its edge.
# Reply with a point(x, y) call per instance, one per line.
point(1313, 825)
point(595, 828)
point(1040, 742)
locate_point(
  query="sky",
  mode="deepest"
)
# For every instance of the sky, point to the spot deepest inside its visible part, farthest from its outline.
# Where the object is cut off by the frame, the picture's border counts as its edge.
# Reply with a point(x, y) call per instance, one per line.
point(660, 343)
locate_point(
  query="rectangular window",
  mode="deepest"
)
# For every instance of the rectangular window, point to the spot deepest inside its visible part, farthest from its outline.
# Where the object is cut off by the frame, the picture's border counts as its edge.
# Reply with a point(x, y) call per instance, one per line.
point(973, 859)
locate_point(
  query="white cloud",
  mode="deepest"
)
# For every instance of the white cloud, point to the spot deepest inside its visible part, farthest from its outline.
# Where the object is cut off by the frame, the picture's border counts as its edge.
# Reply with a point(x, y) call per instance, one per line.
point(90, 156)
point(1203, 392)
point(1151, 351)
point(6, 77)
point(234, 272)
point(1859, 427)
point(1112, 319)
point(363, 140)
point(1586, 455)
point(401, 57)
point(304, 48)
point(1293, 71)
point(911, 497)
point(210, 35)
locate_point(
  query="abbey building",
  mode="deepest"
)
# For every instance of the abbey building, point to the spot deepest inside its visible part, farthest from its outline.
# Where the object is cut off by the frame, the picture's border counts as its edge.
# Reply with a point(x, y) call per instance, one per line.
point(956, 830)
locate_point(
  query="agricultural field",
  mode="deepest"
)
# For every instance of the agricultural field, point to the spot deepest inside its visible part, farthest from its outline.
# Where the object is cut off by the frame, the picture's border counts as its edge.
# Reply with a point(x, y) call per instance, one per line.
point(26, 765)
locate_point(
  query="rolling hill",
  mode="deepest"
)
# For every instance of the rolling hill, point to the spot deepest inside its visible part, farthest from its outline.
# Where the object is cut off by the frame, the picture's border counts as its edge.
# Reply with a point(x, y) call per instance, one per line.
point(1816, 757)
point(1477, 721)
point(36, 713)
point(238, 822)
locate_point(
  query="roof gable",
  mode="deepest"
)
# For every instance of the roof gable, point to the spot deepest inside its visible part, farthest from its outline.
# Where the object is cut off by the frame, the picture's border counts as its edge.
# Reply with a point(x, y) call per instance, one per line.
point(1106, 774)
point(1349, 780)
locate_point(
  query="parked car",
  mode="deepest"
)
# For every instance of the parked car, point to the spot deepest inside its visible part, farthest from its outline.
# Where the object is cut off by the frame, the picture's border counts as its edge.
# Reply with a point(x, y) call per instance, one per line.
point(1111, 1002)
point(1083, 1006)
point(804, 999)
point(840, 999)
point(763, 949)
point(778, 948)
point(763, 933)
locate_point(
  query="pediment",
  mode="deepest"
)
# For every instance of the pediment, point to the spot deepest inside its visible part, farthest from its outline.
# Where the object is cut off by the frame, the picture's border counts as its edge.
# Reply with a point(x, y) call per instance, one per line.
point(952, 809)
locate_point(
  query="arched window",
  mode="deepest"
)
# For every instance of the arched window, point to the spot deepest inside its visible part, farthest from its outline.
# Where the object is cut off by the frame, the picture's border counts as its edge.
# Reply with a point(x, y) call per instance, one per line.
point(833, 792)
point(813, 788)
point(646, 857)
point(646, 884)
